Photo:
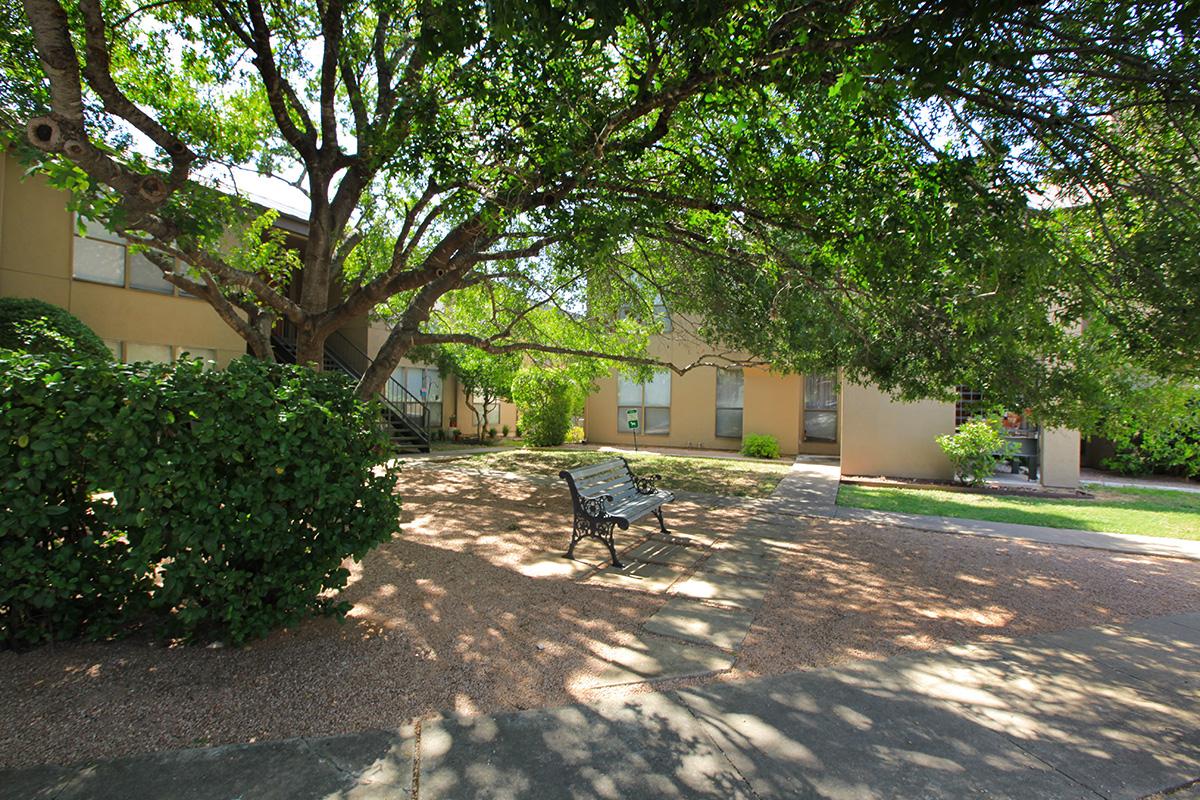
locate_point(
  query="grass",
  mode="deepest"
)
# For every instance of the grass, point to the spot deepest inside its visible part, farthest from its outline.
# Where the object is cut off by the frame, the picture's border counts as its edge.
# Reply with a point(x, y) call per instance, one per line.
point(708, 475)
point(446, 445)
point(1149, 512)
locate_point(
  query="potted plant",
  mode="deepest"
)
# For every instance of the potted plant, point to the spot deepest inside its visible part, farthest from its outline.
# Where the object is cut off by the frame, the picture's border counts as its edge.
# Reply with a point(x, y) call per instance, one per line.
point(455, 434)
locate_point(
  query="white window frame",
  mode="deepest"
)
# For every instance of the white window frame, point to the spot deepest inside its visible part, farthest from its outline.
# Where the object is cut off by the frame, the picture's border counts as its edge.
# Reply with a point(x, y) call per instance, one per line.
point(96, 232)
point(810, 406)
point(642, 406)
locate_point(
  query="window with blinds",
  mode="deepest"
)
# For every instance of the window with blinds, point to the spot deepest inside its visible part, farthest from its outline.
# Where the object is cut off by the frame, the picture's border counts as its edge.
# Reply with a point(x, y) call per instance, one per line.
point(652, 399)
point(730, 403)
point(820, 408)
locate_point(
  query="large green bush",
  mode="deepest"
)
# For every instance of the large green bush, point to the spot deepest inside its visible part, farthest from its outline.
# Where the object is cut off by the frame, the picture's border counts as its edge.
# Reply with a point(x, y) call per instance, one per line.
point(33, 326)
point(760, 445)
point(198, 504)
point(1155, 428)
point(544, 399)
point(976, 448)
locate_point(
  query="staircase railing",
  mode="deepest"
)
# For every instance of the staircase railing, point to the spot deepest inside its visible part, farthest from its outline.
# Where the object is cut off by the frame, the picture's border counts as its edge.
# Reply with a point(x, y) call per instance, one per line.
point(404, 407)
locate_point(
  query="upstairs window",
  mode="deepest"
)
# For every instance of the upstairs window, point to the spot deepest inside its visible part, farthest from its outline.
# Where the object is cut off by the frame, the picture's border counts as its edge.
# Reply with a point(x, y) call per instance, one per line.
point(652, 400)
point(820, 408)
point(102, 256)
point(730, 393)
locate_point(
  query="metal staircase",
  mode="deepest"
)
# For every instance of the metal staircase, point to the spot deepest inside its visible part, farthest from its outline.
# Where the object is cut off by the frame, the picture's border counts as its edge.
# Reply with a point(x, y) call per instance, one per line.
point(406, 416)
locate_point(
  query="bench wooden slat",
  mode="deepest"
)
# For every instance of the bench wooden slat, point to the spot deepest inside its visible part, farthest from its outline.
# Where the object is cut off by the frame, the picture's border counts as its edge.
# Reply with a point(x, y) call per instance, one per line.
point(581, 473)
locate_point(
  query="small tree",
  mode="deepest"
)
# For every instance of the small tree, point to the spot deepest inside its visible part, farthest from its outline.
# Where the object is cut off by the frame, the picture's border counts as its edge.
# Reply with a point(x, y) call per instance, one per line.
point(545, 398)
point(486, 378)
point(975, 449)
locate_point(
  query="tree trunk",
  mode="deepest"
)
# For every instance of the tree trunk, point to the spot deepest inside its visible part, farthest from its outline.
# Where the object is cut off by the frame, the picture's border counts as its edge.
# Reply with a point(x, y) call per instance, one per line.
point(310, 349)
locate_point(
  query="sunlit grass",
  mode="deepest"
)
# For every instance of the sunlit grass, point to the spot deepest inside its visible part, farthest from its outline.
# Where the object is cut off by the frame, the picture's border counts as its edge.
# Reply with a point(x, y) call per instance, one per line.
point(1149, 512)
point(708, 475)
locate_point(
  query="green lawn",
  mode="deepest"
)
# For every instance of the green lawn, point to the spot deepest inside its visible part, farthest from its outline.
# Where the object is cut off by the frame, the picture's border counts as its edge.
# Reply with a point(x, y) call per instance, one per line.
point(1150, 512)
point(709, 475)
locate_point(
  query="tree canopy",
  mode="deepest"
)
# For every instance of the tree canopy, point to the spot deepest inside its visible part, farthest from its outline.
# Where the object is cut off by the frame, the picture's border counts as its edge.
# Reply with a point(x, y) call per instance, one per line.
point(921, 193)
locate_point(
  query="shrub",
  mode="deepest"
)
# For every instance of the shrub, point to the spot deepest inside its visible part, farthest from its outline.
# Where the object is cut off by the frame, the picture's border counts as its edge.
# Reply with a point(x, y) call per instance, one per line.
point(976, 448)
point(202, 504)
point(1155, 429)
point(544, 399)
point(575, 435)
point(492, 432)
point(504, 431)
point(33, 326)
point(760, 445)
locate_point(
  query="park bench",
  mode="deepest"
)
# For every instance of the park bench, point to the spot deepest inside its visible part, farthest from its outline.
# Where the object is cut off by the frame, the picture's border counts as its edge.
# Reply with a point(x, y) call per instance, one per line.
point(608, 495)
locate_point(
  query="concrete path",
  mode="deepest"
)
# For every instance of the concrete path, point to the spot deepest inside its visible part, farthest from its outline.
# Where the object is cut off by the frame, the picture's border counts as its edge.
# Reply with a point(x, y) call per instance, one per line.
point(1110, 712)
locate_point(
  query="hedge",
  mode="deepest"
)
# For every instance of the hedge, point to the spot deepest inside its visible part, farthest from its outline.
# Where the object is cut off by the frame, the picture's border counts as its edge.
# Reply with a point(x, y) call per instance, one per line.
point(34, 326)
point(191, 503)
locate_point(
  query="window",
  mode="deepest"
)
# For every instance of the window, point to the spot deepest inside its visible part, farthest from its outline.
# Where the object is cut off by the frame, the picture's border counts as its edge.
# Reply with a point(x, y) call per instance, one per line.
point(115, 347)
point(820, 408)
point(158, 353)
point(969, 404)
point(493, 409)
point(730, 384)
point(652, 400)
point(661, 314)
point(423, 383)
point(104, 257)
point(205, 354)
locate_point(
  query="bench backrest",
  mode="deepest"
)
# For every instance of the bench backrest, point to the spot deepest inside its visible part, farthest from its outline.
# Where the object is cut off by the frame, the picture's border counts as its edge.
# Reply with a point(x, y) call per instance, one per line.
point(611, 477)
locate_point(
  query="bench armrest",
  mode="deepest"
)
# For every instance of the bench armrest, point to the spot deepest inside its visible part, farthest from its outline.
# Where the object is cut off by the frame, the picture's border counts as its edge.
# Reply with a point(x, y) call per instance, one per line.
point(646, 484)
point(593, 505)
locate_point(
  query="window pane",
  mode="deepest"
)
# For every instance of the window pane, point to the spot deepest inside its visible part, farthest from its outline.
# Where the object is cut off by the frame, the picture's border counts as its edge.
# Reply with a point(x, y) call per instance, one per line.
point(820, 426)
point(205, 354)
point(413, 378)
point(628, 392)
point(820, 391)
point(99, 261)
point(433, 385)
point(658, 390)
point(729, 423)
point(657, 420)
point(159, 353)
point(96, 230)
point(622, 422)
point(730, 383)
point(435, 415)
point(144, 274)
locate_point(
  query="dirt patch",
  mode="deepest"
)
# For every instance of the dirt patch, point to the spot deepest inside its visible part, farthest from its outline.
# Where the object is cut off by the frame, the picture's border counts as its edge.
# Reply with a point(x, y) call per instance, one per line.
point(448, 617)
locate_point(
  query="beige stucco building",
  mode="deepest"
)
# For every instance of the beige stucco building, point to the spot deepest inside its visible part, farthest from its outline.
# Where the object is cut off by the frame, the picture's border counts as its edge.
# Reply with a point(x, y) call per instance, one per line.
point(711, 408)
point(123, 298)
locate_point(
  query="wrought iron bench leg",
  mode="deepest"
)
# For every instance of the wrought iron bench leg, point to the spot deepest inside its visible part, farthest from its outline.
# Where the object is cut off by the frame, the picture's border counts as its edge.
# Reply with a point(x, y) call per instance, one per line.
point(661, 524)
point(603, 531)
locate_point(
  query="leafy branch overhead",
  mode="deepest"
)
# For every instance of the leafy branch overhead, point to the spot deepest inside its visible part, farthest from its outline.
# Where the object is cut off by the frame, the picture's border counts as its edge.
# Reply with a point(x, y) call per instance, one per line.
point(901, 189)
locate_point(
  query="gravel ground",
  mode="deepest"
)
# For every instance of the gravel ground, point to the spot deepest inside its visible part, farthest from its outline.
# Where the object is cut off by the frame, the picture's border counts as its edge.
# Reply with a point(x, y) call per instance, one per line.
point(447, 618)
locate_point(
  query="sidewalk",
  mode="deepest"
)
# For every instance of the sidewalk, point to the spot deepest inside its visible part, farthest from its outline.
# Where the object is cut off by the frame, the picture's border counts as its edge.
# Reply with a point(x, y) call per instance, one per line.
point(1100, 712)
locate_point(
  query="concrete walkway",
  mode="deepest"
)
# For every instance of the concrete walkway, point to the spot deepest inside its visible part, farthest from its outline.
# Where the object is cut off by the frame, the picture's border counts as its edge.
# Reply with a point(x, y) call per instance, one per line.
point(1110, 712)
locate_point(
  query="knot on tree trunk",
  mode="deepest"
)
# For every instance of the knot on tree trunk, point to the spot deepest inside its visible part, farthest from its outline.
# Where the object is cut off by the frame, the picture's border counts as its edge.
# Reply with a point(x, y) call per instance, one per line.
point(45, 134)
point(153, 189)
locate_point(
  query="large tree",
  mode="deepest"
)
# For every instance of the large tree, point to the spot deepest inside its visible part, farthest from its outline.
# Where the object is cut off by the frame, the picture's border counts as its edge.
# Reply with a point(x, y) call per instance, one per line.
point(830, 183)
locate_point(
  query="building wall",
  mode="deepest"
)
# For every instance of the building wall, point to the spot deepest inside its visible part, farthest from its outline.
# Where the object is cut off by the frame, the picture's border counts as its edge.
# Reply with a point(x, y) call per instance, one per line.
point(1060, 458)
point(881, 436)
point(36, 251)
point(772, 404)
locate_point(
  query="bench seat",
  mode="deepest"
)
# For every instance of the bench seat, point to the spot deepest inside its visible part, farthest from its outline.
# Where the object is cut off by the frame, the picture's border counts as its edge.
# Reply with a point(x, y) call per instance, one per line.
point(608, 495)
